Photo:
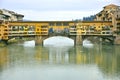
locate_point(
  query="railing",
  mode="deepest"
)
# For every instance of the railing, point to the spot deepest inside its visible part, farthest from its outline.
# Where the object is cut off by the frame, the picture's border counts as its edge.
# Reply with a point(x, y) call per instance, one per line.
point(21, 33)
point(90, 32)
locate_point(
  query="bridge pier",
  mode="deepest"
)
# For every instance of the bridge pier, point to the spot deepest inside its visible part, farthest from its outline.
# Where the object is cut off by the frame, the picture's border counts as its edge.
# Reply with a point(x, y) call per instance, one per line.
point(39, 39)
point(79, 40)
point(74, 38)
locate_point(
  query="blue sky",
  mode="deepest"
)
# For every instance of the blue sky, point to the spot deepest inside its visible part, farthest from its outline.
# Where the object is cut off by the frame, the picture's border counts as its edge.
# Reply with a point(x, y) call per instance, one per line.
point(45, 10)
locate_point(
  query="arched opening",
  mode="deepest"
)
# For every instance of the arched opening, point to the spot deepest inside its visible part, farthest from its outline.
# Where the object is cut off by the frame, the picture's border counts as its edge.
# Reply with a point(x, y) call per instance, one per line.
point(58, 41)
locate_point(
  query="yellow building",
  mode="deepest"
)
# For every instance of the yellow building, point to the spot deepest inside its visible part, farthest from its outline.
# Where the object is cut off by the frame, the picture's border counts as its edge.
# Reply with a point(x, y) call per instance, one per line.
point(108, 13)
point(94, 27)
point(4, 32)
point(118, 26)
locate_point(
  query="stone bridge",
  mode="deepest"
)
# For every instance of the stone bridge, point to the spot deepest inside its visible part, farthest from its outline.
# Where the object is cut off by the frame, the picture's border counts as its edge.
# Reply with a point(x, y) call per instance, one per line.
point(41, 30)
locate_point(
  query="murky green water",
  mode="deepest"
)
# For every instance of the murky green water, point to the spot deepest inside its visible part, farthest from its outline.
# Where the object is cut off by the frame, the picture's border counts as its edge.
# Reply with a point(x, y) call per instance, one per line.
point(102, 62)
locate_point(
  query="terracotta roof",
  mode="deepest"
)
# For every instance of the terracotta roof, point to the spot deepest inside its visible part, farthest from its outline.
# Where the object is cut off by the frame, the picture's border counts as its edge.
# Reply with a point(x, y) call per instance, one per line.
point(113, 5)
point(19, 15)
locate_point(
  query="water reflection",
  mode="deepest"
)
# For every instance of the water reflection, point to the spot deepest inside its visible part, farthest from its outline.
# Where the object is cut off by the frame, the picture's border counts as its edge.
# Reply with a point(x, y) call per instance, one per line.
point(87, 44)
point(59, 54)
point(3, 58)
point(101, 62)
point(29, 43)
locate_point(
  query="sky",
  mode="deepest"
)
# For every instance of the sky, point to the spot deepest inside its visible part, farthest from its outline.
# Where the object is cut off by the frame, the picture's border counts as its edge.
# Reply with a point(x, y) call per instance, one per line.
point(60, 10)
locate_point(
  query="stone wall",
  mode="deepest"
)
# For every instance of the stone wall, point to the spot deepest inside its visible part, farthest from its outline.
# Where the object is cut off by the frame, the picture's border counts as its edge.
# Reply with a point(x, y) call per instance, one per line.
point(117, 40)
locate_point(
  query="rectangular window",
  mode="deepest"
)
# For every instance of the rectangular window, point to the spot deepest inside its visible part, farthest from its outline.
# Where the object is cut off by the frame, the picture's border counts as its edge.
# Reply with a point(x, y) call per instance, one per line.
point(65, 24)
point(21, 28)
point(10, 26)
point(58, 24)
point(44, 27)
point(15, 28)
point(118, 24)
point(5, 26)
point(72, 26)
point(30, 28)
point(37, 29)
point(51, 24)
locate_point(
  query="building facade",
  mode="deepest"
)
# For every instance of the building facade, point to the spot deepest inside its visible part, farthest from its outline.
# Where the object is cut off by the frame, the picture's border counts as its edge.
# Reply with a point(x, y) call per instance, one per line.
point(7, 15)
point(108, 13)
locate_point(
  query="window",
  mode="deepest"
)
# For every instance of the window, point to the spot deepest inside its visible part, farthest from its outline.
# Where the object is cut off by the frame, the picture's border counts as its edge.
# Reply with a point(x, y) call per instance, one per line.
point(51, 24)
point(107, 32)
point(15, 28)
point(72, 26)
point(65, 24)
point(10, 26)
point(58, 24)
point(43, 26)
point(5, 26)
point(103, 32)
point(117, 16)
point(37, 29)
point(5, 30)
point(31, 28)
point(21, 28)
point(5, 34)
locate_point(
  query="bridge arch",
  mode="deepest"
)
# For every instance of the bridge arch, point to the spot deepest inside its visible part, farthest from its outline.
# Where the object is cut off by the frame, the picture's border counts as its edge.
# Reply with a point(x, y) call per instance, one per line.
point(58, 41)
point(100, 39)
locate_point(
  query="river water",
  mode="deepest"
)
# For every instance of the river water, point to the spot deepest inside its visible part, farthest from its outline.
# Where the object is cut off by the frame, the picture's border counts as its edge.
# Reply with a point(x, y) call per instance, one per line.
point(100, 62)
